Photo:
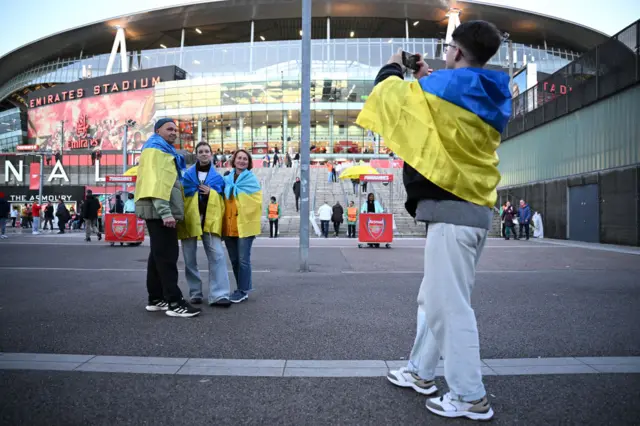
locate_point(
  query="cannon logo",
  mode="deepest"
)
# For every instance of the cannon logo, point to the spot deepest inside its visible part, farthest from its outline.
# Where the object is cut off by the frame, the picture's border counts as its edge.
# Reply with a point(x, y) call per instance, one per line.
point(140, 228)
point(119, 227)
point(375, 228)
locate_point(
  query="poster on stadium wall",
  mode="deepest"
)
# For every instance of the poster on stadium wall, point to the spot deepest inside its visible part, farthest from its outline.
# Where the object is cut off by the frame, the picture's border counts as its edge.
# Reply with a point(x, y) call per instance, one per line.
point(91, 114)
point(95, 122)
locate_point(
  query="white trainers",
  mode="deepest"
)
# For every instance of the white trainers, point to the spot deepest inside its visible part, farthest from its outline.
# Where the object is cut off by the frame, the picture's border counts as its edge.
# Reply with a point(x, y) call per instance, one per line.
point(4, 237)
point(445, 406)
point(405, 378)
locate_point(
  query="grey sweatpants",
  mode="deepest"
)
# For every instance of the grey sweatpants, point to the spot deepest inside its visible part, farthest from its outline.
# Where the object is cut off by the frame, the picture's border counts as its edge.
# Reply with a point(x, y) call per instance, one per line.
point(446, 322)
point(90, 226)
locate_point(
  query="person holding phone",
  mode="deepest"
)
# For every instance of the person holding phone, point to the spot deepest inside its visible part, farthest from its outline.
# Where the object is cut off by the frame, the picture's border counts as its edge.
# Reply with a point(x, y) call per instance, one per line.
point(446, 127)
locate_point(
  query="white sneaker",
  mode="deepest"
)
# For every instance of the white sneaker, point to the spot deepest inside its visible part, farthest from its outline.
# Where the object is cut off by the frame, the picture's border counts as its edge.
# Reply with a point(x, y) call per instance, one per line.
point(35, 233)
point(4, 237)
point(405, 378)
point(445, 406)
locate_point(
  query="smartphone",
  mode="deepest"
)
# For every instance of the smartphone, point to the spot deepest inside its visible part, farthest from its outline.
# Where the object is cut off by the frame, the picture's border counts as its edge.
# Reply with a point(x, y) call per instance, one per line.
point(410, 61)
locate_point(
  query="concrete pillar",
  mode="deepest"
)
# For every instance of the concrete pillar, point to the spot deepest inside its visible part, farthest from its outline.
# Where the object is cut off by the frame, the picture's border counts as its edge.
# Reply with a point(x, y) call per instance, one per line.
point(199, 132)
point(241, 132)
point(329, 42)
point(251, 46)
point(181, 48)
point(285, 131)
point(330, 150)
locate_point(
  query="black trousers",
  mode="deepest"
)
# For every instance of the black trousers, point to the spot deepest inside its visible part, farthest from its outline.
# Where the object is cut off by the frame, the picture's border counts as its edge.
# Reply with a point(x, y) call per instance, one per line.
point(352, 231)
point(61, 225)
point(336, 227)
point(273, 224)
point(50, 222)
point(13, 222)
point(162, 267)
point(297, 203)
point(526, 229)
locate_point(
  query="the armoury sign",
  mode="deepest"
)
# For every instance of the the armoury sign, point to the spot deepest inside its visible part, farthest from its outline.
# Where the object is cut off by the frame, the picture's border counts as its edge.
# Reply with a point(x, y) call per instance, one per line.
point(22, 194)
point(115, 83)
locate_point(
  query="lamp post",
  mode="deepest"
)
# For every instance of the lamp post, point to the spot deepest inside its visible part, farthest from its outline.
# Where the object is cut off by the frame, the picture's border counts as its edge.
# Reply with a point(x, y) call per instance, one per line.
point(305, 124)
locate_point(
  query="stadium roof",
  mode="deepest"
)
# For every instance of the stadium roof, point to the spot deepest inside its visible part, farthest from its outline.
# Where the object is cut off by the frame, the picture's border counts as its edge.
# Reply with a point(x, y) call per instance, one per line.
point(225, 21)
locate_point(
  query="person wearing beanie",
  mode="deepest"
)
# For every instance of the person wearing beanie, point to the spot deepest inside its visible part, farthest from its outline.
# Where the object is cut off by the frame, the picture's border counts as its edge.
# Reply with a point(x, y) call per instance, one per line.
point(159, 199)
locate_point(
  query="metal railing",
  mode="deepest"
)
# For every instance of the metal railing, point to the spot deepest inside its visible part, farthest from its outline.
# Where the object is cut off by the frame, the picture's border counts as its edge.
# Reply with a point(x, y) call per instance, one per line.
point(606, 69)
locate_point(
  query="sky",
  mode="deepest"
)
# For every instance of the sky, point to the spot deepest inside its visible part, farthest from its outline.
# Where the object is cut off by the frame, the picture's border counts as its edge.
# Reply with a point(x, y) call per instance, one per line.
point(28, 20)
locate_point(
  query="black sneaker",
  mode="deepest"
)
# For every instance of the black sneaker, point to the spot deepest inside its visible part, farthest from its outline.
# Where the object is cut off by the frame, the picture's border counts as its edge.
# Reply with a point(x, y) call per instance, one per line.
point(88, 239)
point(99, 236)
point(221, 303)
point(157, 305)
point(195, 301)
point(182, 309)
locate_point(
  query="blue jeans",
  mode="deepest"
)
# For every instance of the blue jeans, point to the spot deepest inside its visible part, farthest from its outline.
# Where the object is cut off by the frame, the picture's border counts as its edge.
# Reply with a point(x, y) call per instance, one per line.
point(219, 286)
point(36, 224)
point(239, 250)
point(3, 225)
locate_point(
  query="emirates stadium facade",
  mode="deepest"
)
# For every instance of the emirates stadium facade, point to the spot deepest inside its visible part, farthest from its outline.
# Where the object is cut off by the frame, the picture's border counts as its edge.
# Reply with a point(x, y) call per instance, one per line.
point(229, 71)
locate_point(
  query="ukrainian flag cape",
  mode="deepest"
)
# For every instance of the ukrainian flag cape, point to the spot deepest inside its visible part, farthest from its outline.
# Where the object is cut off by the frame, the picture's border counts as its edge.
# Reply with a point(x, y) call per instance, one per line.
point(160, 165)
point(248, 195)
point(446, 126)
point(192, 226)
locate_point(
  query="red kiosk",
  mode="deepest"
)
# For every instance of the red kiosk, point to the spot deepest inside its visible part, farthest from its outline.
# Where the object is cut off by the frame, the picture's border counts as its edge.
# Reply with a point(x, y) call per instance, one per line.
point(122, 227)
point(375, 228)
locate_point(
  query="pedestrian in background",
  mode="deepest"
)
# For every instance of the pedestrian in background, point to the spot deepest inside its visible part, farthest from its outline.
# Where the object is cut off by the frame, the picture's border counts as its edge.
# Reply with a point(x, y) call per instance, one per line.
point(325, 212)
point(296, 193)
point(90, 210)
point(5, 210)
point(524, 218)
point(273, 214)
point(63, 215)
point(352, 219)
point(48, 217)
point(337, 217)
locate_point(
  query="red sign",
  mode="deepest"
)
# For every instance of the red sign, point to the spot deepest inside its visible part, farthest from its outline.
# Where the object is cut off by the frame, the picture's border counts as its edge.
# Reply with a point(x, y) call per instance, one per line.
point(376, 178)
point(27, 147)
point(34, 176)
point(123, 228)
point(120, 179)
point(375, 228)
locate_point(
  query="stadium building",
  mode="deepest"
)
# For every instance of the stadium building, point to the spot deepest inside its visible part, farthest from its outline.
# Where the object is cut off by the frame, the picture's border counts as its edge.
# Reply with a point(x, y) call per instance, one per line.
point(230, 72)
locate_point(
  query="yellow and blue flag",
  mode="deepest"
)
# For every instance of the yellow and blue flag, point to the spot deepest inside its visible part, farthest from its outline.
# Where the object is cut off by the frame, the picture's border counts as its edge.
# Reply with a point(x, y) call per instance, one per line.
point(446, 126)
point(159, 167)
point(193, 226)
point(247, 194)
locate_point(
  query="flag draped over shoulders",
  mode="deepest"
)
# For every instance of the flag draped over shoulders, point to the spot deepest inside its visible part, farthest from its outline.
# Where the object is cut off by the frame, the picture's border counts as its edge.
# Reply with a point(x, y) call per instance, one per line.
point(247, 193)
point(193, 226)
point(159, 167)
point(446, 126)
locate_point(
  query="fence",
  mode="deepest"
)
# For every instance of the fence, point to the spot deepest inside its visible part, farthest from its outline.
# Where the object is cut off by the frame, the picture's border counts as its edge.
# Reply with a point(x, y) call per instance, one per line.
point(601, 72)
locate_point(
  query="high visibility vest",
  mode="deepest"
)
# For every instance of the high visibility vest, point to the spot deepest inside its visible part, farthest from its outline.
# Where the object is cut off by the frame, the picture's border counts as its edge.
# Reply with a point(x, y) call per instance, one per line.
point(352, 214)
point(273, 211)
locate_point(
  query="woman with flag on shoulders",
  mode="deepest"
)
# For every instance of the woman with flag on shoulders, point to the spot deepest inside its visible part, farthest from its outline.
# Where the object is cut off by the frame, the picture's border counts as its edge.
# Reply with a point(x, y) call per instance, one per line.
point(204, 212)
point(243, 210)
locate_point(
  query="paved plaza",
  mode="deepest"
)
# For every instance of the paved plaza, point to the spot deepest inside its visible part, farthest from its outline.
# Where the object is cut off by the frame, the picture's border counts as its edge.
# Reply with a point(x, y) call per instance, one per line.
point(558, 327)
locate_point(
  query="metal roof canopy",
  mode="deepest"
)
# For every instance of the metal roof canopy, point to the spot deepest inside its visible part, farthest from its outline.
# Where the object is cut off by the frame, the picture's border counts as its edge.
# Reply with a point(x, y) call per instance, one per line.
point(226, 21)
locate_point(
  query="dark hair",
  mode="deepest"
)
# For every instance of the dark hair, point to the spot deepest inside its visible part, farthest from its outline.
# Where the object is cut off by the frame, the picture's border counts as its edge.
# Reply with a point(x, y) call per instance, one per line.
point(371, 194)
point(235, 154)
point(273, 198)
point(130, 196)
point(479, 39)
point(89, 192)
point(195, 150)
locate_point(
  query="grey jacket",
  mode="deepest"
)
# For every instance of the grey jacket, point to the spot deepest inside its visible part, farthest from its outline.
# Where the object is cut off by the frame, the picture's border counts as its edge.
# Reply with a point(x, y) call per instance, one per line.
point(155, 208)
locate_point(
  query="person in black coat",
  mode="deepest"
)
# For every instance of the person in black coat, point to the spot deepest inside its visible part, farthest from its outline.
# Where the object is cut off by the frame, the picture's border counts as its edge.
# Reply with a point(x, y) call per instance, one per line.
point(48, 216)
point(63, 215)
point(90, 215)
point(508, 213)
point(296, 193)
point(337, 218)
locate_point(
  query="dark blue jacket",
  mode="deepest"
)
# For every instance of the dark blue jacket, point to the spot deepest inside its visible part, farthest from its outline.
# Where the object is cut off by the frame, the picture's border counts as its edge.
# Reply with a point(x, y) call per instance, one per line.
point(5, 209)
point(524, 214)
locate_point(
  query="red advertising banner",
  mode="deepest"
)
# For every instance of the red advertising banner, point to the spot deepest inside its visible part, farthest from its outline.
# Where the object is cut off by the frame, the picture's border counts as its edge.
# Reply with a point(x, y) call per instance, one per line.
point(34, 176)
point(375, 228)
point(376, 178)
point(123, 228)
point(27, 147)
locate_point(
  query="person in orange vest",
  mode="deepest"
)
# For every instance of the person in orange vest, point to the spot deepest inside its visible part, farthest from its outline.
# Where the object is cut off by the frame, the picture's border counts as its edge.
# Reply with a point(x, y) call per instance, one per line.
point(273, 213)
point(352, 219)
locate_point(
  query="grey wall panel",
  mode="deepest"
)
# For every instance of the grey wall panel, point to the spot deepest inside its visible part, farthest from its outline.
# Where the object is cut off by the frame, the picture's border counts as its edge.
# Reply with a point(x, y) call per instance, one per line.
point(602, 136)
point(618, 207)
